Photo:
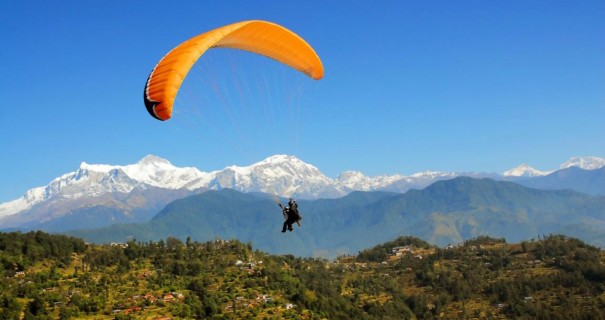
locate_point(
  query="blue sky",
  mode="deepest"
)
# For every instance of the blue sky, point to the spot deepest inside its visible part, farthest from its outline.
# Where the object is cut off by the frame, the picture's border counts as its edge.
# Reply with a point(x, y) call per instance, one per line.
point(409, 86)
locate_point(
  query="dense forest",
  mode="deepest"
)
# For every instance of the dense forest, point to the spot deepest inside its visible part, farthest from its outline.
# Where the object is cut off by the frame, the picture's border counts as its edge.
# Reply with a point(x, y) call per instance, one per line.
point(59, 277)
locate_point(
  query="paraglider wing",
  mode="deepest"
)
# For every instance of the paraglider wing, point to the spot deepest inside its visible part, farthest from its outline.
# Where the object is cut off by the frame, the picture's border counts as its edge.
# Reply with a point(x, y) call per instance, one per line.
point(261, 37)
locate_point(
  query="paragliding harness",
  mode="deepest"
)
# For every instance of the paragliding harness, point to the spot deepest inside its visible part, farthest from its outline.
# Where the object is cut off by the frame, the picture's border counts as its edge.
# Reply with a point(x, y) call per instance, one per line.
point(291, 216)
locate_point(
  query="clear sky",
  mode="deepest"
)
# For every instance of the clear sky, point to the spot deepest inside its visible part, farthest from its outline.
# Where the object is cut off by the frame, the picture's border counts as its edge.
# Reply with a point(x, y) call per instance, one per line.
point(409, 86)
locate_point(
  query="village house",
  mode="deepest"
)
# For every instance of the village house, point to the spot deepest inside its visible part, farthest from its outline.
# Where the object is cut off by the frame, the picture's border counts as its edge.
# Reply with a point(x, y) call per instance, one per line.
point(400, 250)
point(151, 298)
point(132, 310)
point(120, 245)
point(169, 298)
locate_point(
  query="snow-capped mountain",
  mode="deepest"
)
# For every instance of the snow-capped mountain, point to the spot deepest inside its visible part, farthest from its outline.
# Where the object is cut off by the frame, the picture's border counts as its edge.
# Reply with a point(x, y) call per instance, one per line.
point(94, 180)
point(422, 180)
point(154, 171)
point(524, 170)
point(282, 175)
point(586, 163)
point(355, 180)
point(153, 182)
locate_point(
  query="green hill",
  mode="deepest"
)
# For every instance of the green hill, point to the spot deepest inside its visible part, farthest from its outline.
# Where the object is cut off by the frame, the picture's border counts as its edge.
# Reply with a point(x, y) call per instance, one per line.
point(57, 277)
point(443, 213)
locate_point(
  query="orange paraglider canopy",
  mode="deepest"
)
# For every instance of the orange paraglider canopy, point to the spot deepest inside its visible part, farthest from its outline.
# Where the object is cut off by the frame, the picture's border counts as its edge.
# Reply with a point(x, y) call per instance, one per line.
point(261, 37)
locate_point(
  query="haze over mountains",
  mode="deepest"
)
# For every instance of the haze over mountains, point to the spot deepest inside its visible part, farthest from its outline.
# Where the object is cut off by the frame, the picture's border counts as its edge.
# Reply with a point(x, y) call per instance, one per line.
point(97, 196)
point(446, 212)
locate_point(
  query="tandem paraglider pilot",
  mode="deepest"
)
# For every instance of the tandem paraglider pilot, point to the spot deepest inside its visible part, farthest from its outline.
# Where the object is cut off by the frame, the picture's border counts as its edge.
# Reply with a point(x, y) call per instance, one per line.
point(291, 215)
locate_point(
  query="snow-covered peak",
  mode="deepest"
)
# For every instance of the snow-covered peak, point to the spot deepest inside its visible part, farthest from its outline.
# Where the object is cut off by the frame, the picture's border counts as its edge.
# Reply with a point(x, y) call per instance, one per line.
point(351, 175)
point(151, 170)
point(155, 161)
point(586, 163)
point(524, 170)
point(92, 180)
point(280, 166)
point(284, 175)
point(149, 162)
point(280, 174)
point(431, 174)
point(96, 167)
point(354, 180)
point(279, 159)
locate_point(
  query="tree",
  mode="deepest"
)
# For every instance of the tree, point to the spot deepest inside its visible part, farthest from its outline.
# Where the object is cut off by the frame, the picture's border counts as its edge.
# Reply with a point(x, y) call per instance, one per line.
point(10, 307)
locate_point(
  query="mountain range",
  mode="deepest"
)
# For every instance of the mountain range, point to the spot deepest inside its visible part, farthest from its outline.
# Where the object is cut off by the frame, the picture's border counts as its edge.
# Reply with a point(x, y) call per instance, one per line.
point(97, 195)
point(135, 192)
point(446, 212)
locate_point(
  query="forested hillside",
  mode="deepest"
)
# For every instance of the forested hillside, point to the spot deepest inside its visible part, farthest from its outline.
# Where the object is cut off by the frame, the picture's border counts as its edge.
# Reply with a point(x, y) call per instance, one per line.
point(444, 213)
point(57, 277)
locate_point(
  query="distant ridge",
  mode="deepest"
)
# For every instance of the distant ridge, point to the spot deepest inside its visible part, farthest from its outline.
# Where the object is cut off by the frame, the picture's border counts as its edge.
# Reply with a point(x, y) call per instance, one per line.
point(572, 178)
point(448, 211)
point(135, 192)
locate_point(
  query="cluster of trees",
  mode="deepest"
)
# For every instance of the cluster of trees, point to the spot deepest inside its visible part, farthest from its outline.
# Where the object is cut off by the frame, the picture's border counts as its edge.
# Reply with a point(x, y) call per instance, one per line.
point(19, 251)
point(554, 278)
